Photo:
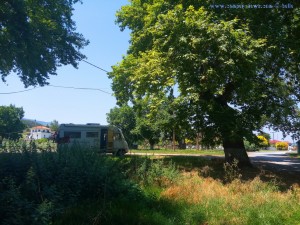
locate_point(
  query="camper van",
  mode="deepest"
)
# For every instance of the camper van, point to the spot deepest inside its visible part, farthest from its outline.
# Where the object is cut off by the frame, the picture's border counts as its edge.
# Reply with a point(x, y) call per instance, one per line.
point(108, 139)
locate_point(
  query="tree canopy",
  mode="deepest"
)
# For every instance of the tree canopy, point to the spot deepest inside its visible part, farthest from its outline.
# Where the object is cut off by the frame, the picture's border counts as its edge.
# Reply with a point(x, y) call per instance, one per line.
point(236, 69)
point(36, 37)
point(11, 126)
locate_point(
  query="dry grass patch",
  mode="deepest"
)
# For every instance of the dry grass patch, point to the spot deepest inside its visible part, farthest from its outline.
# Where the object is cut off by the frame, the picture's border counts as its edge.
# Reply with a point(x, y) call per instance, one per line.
point(237, 202)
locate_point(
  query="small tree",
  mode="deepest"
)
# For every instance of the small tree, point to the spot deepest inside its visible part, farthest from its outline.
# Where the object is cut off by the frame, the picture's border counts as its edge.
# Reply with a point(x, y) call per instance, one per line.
point(54, 125)
point(11, 126)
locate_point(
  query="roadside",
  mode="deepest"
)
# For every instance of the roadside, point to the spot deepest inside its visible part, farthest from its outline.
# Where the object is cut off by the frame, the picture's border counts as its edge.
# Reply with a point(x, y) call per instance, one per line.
point(278, 160)
point(270, 166)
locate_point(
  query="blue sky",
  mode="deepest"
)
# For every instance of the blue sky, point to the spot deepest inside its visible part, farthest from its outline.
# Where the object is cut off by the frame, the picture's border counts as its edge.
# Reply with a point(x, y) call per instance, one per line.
point(96, 21)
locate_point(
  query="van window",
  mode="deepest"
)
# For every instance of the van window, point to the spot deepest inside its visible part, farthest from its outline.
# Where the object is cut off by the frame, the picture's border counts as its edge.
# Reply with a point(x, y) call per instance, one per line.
point(92, 134)
point(72, 134)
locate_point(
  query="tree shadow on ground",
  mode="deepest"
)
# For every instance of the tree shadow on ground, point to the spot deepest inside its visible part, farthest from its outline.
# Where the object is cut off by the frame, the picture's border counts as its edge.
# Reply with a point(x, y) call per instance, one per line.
point(214, 167)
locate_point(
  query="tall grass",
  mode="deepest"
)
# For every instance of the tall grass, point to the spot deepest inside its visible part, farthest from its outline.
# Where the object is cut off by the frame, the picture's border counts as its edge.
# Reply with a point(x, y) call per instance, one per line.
point(36, 186)
point(253, 202)
point(190, 196)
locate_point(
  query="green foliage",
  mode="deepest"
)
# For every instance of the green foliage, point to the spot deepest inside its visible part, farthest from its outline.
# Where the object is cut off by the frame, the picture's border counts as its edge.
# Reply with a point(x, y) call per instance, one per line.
point(147, 130)
point(30, 123)
point(156, 172)
point(227, 66)
point(36, 185)
point(232, 171)
point(37, 37)
point(11, 126)
point(250, 146)
point(143, 123)
point(79, 186)
point(10, 146)
point(124, 118)
point(41, 140)
point(54, 125)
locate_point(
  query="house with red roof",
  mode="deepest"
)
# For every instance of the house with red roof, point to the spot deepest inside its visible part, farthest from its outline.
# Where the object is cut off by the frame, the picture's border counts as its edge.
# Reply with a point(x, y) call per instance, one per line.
point(273, 142)
point(39, 132)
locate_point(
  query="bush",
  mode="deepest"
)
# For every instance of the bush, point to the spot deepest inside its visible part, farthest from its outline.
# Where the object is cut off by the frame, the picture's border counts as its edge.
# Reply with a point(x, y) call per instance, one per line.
point(155, 172)
point(36, 186)
point(250, 147)
point(263, 142)
point(281, 145)
point(21, 145)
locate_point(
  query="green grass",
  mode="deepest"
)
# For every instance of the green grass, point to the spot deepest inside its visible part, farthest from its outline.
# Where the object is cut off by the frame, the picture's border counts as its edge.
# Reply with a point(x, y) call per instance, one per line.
point(294, 155)
point(197, 196)
point(180, 151)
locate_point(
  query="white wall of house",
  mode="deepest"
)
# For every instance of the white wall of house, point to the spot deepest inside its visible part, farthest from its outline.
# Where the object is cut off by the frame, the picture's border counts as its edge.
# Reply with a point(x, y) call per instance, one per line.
point(39, 132)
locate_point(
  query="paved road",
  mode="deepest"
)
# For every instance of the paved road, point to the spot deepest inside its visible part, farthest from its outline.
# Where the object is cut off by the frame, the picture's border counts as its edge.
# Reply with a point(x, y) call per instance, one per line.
point(279, 161)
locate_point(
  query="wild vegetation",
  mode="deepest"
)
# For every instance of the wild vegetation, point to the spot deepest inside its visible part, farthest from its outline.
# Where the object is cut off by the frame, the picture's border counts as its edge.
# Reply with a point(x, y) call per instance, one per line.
point(79, 186)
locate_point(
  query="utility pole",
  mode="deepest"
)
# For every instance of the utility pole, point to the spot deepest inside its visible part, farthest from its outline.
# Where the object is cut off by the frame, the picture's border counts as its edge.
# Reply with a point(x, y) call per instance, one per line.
point(273, 135)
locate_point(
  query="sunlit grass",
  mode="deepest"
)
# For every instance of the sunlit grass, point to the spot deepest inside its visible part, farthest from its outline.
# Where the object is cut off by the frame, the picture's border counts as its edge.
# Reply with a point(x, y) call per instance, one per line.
point(198, 195)
point(179, 152)
point(251, 202)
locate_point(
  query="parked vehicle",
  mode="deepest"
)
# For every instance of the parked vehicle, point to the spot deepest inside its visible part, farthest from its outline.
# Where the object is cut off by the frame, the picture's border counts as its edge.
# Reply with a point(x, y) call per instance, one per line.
point(108, 139)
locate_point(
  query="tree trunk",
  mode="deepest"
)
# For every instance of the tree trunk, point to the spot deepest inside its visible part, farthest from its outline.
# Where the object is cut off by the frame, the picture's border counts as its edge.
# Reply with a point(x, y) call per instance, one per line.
point(235, 150)
point(181, 144)
point(151, 145)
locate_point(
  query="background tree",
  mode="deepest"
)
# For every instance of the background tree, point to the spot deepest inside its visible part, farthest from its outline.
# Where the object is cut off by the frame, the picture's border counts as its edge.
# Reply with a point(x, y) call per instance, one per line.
point(31, 123)
point(147, 130)
point(36, 37)
point(11, 125)
point(240, 69)
point(124, 118)
point(54, 125)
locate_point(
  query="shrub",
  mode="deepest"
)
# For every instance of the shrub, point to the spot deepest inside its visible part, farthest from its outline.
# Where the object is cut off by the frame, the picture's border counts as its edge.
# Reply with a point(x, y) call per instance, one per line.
point(35, 186)
point(150, 172)
point(232, 171)
point(263, 142)
point(250, 147)
point(281, 145)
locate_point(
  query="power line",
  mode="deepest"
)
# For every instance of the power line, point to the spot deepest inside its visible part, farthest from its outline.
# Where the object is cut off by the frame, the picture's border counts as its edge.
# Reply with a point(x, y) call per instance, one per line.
point(80, 88)
point(95, 66)
point(56, 86)
point(16, 92)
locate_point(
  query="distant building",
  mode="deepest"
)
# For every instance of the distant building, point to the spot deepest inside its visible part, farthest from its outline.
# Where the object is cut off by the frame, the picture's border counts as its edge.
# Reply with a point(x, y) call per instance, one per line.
point(273, 142)
point(39, 132)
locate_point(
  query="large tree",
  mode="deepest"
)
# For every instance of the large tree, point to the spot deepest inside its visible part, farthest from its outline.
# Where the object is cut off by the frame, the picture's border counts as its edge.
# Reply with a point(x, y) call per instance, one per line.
point(238, 69)
point(11, 125)
point(36, 37)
